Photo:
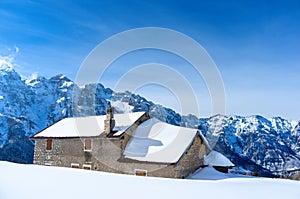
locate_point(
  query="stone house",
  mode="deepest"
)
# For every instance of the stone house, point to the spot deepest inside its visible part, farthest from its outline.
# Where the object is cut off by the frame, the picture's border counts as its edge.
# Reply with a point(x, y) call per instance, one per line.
point(131, 143)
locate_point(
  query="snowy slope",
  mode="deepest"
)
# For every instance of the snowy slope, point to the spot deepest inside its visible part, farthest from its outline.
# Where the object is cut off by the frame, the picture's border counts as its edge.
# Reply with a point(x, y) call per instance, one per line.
point(209, 173)
point(35, 182)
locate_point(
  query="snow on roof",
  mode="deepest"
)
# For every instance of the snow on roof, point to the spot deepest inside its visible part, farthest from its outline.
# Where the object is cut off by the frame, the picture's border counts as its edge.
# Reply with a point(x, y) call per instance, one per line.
point(119, 130)
point(156, 141)
point(215, 158)
point(88, 126)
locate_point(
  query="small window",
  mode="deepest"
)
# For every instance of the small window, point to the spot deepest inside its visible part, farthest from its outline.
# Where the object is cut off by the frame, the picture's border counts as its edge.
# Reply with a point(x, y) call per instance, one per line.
point(49, 144)
point(140, 172)
point(87, 144)
point(87, 167)
point(74, 165)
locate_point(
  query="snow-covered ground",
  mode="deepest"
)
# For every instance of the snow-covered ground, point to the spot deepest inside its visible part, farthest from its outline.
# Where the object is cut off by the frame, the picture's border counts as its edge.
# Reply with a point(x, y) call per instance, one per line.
point(35, 182)
point(209, 173)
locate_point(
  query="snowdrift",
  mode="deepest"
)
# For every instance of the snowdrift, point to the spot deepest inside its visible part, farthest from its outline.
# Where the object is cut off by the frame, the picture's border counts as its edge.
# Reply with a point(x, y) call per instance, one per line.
point(35, 182)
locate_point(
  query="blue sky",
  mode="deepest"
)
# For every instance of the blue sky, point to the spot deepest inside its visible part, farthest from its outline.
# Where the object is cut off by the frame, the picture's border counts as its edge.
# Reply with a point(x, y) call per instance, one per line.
point(255, 45)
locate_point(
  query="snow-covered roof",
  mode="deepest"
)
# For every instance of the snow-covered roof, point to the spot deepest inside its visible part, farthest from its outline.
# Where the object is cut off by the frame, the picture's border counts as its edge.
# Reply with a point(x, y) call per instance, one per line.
point(215, 158)
point(88, 126)
point(156, 141)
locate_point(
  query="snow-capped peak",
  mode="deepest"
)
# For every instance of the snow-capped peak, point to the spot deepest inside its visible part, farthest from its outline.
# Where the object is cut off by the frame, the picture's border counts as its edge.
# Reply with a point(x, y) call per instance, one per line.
point(32, 80)
point(6, 63)
point(294, 124)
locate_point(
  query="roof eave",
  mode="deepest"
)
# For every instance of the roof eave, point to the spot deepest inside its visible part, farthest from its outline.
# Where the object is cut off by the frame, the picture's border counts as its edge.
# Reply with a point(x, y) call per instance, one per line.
point(124, 132)
point(130, 160)
point(204, 140)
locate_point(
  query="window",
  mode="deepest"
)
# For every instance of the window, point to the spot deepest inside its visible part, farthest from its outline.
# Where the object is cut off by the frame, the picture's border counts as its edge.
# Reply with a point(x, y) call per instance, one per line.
point(87, 144)
point(87, 166)
point(49, 144)
point(140, 172)
point(48, 164)
point(74, 165)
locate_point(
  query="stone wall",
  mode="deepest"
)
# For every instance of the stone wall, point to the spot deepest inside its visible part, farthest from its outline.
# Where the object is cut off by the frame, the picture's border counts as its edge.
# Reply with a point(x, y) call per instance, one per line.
point(106, 153)
point(193, 158)
point(104, 156)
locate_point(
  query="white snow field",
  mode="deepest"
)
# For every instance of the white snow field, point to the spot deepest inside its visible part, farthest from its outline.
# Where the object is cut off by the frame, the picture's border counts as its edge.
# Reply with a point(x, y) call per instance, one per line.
point(35, 182)
point(209, 173)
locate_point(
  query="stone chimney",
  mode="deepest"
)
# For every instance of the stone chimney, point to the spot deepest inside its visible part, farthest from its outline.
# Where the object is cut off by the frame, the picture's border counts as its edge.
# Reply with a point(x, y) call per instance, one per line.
point(109, 122)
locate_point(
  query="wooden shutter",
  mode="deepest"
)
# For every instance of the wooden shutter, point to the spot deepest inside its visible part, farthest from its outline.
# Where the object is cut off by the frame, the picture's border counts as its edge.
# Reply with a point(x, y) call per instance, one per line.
point(140, 172)
point(75, 166)
point(87, 167)
point(87, 144)
point(49, 144)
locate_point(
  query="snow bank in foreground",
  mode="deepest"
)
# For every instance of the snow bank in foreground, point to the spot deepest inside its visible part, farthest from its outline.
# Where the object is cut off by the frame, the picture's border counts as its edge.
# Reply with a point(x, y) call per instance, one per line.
point(35, 182)
point(209, 173)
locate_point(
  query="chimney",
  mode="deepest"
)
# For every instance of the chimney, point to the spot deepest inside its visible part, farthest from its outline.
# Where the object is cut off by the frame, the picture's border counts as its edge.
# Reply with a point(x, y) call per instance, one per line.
point(109, 122)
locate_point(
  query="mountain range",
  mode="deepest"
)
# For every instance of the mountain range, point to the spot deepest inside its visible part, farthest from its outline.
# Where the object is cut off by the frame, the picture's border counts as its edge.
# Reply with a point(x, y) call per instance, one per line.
point(267, 146)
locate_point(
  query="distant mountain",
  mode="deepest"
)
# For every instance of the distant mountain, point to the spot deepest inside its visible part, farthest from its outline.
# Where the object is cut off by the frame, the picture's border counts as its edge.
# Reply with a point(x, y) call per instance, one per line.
point(256, 143)
point(28, 106)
